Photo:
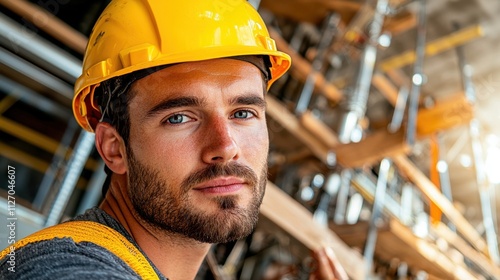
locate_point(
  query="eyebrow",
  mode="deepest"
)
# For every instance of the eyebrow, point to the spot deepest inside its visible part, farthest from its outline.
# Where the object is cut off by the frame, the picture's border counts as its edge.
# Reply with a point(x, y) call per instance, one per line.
point(195, 101)
point(249, 100)
point(174, 103)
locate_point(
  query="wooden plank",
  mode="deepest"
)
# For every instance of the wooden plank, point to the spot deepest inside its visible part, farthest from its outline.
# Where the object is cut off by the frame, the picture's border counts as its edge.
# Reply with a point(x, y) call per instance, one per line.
point(292, 217)
point(314, 11)
point(301, 68)
point(399, 78)
point(317, 127)
point(373, 148)
point(453, 40)
point(37, 139)
point(286, 119)
point(7, 102)
point(454, 111)
point(23, 158)
point(456, 241)
point(428, 250)
point(29, 135)
point(425, 185)
point(386, 88)
point(447, 234)
point(48, 23)
point(395, 241)
point(296, 10)
point(400, 23)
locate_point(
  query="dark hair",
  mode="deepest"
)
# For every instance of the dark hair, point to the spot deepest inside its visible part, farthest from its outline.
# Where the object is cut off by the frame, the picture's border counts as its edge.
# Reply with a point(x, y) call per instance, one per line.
point(113, 99)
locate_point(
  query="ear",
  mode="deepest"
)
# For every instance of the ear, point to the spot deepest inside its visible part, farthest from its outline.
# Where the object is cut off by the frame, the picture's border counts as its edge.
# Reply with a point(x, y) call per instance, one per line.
point(111, 147)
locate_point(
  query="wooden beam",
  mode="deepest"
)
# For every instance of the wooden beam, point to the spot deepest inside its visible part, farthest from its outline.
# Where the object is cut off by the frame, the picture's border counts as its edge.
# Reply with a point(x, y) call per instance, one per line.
point(372, 149)
point(48, 23)
point(456, 241)
point(37, 139)
point(386, 88)
point(301, 68)
point(7, 102)
point(292, 217)
point(400, 23)
point(282, 115)
point(453, 40)
point(453, 111)
point(296, 10)
point(396, 241)
point(314, 11)
point(23, 158)
point(359, 238)
point(425, 185)
point(317, 127)
point(29, 135)
point(398, 77)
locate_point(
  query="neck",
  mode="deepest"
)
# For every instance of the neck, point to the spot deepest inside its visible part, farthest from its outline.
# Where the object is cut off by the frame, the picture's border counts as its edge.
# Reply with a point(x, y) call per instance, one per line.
point(176, 256)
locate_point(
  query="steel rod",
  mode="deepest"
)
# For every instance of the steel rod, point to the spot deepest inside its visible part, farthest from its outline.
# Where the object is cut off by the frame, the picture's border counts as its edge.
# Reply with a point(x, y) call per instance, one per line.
point(18, 39)
point(35, 73)
point(83, 147)
point(377, 211)
point(329, 27)
point(484, 193)
point(355, 105)
point(417, 78)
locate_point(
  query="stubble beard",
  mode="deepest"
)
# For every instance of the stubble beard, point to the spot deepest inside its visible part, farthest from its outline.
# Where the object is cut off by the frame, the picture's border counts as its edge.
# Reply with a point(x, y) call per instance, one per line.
point(167, 207)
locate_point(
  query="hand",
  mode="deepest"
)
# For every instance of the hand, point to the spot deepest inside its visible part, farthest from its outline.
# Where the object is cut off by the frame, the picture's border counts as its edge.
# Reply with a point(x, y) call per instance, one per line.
point(327, 266)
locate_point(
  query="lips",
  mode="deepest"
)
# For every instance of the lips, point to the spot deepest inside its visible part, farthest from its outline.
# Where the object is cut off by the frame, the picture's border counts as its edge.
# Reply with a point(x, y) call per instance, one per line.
point(221, 185)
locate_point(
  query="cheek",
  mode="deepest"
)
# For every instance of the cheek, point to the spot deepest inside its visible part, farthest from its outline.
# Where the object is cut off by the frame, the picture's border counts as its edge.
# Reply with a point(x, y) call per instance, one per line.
point(257, 145)
point(155, 149)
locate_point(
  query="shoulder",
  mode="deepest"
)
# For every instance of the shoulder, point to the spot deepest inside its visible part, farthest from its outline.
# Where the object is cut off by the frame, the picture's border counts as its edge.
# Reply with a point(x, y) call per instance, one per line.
point(62, 258)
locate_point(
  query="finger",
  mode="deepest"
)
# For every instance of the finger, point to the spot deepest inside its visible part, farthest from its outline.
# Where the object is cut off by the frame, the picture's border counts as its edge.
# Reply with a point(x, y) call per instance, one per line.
point(334, 263)
point(325, 269)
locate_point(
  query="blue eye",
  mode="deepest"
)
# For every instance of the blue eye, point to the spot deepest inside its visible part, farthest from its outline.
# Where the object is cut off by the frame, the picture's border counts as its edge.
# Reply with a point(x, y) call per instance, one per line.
point(243, 114)
point(177, 119)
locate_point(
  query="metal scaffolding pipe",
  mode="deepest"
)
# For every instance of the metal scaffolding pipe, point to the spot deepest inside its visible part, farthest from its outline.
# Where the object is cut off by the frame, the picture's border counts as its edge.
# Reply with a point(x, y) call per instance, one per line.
point(49, 23)
point(35, 73)
point(329, 27)
point(21, 40)
point(355, 105)
point(94, 189)
point(377, 211)
point(57, 162)
point(417, 78)
point(470, 92)
point(466, 71)
point(34, 99)
point(484, 193)
point(81, 153)
point(479, 162)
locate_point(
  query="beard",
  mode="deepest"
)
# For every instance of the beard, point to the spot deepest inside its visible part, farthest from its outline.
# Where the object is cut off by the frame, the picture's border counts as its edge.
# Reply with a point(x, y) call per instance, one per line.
point(167, 207)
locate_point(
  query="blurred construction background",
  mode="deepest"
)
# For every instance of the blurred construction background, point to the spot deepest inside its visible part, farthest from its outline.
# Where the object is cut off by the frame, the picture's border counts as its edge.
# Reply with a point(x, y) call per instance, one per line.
point(385, 135)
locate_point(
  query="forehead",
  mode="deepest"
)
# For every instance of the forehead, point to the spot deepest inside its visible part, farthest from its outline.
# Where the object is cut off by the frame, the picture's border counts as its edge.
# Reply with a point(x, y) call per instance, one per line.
point(216, 73)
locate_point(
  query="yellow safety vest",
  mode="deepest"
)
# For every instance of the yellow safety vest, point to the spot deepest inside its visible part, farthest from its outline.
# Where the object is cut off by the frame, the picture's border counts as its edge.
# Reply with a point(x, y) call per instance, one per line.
point(99, 234)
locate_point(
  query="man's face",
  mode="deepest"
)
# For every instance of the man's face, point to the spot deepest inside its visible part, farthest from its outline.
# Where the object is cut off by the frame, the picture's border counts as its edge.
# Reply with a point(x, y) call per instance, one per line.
point(198, 149)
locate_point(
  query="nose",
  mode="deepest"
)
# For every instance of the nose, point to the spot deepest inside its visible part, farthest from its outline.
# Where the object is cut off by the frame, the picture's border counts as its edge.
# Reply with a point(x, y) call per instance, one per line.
point(220, 144)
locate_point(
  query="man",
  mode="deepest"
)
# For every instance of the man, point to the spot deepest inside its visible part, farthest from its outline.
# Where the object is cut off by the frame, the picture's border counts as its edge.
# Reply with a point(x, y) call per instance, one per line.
point(175, 93)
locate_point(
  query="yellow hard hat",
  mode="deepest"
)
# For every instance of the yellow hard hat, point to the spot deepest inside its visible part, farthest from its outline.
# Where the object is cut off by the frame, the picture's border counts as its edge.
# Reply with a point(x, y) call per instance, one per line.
point(131, 35)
